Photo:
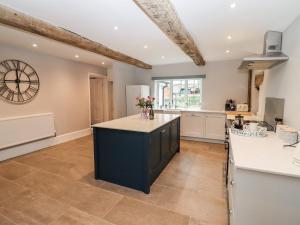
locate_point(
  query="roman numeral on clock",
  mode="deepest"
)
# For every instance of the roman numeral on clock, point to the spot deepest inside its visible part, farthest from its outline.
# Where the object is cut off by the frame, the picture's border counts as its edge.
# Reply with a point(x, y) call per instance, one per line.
point(10, 95)
point(3, 89)
point(6, 65)
point(32, 89)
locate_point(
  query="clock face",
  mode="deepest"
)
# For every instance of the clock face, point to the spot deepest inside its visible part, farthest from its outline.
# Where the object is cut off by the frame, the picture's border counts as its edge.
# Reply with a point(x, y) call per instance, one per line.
point(19, 82)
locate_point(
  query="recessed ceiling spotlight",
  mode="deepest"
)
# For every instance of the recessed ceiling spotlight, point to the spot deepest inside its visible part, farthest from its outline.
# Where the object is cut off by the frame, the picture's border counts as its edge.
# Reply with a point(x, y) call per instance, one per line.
point(103, 63)
point(76, 56)
point(227, 51)
point(229, 37)
point(233, 5)
point(34, 45)
point(163, 57)
point(145, 46)
point(116, 27)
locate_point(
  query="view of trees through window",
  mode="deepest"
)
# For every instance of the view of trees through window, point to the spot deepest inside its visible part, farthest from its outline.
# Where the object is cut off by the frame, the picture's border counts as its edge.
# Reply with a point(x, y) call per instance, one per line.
point(181, 93)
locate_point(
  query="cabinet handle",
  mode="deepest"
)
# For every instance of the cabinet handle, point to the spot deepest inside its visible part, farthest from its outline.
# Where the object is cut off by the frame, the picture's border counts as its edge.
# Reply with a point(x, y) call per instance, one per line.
point(230, 211)
point(232, 182)
point(196, 115)
point(163, 131)
point(231, 161)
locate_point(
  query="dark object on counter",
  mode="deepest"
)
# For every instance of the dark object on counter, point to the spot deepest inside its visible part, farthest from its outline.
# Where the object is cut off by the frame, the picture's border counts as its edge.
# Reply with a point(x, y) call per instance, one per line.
point(134, 159)
point(151, 114)
point(278, 121)
point(239, 122)
point(230, 105)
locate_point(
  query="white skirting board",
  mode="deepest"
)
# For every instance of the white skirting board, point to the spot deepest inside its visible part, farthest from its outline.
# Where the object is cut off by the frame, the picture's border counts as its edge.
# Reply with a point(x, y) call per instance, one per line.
point(208, 140)
point(38, 145)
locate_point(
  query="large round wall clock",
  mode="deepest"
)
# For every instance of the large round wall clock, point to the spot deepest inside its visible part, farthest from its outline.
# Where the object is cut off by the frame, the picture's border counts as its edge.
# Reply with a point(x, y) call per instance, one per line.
point(19, 82)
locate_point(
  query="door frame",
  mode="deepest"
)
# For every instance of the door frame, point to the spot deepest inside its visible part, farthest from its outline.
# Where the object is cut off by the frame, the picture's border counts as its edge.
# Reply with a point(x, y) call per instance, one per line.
point(105, 94)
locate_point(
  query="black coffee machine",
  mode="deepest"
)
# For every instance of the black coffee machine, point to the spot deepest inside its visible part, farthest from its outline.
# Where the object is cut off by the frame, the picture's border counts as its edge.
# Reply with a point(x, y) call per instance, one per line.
point(230, 105)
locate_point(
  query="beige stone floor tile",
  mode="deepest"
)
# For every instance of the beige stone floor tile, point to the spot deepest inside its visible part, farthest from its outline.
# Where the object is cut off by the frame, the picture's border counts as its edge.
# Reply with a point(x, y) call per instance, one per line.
point(45, 182)
point(89, 199)
point(8, 189)
point(56, 166)
point(196, 204)
point(133, 212)
point(76, 217)
point(5, 221)
point(12, 170)
point(32, 208)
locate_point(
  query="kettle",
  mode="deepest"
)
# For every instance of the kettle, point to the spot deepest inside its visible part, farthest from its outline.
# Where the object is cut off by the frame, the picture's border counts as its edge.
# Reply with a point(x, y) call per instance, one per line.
point(239, 122)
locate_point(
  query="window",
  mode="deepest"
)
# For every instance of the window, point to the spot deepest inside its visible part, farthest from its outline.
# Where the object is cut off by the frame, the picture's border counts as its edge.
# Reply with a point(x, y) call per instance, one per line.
point(178, 93)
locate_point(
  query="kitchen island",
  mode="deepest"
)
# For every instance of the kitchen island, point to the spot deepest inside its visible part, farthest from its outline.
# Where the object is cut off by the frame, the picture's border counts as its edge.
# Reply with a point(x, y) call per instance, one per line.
point(132, 152)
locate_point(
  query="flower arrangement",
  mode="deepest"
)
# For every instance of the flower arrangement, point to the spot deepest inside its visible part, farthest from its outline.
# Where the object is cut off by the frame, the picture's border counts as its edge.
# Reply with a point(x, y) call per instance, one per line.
point(145, 104)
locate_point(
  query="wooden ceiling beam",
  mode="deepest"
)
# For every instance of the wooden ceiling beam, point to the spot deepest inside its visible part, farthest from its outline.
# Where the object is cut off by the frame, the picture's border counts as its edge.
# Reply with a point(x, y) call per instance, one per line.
point(30, 24)
point(164, 15)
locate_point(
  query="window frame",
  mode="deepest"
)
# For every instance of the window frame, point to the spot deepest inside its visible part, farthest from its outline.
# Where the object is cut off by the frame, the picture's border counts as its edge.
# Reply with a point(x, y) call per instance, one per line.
point(171, 82)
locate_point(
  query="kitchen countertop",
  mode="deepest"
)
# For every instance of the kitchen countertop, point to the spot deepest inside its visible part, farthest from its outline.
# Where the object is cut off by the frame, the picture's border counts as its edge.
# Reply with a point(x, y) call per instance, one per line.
point(135, 123)
point(191, 110)
point(263, 154)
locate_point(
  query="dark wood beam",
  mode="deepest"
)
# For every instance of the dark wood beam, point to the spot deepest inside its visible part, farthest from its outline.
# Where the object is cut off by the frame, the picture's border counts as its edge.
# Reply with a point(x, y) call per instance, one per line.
point(164, 15)
point(250, 75)
point(33, 25)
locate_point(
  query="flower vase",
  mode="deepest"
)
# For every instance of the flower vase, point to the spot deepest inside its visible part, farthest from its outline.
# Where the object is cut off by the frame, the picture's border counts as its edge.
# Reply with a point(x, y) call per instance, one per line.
point(151, 114)
point(144, 113)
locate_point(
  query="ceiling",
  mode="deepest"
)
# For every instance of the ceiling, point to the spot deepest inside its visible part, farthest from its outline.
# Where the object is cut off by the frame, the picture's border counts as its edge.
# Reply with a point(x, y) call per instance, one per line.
point(209, 23)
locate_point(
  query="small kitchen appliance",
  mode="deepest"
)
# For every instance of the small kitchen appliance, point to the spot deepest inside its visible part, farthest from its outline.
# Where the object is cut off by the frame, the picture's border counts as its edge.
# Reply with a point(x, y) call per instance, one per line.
point(239, 122)
point(230, 105)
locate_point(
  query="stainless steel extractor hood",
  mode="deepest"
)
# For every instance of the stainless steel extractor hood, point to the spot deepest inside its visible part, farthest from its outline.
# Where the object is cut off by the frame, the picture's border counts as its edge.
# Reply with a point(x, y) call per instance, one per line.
point(271, 56)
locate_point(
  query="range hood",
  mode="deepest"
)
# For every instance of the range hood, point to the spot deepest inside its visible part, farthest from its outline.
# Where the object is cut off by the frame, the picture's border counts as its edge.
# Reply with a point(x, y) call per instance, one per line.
point(271, 56)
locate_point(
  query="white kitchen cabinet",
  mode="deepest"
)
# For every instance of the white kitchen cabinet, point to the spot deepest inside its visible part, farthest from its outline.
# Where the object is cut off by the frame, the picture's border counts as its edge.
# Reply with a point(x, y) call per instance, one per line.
point(192, 125)
point(261, 198)
point(215, 126)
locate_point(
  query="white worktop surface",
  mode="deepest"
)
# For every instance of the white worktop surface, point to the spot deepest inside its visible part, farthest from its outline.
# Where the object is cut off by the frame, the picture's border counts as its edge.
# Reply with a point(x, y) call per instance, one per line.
point(179, 110)
point(263, 154)
point(135, 123)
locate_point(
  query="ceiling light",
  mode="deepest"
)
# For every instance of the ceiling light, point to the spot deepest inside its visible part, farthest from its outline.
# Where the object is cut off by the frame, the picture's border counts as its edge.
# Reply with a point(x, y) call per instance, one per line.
point(103, 63)
point(76, 56)
point(229, 37)
point(145, 46)
point(162, 56)
point(227, 51)
point(116, 28)
point(34, 45)
point(232, 5)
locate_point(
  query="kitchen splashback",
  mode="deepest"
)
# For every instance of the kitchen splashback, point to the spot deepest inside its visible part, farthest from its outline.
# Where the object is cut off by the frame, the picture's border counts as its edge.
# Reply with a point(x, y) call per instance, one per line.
point(274, 108)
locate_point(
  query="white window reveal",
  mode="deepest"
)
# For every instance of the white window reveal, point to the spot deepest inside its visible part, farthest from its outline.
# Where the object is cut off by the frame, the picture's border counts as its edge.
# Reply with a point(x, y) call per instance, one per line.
point(184, 92)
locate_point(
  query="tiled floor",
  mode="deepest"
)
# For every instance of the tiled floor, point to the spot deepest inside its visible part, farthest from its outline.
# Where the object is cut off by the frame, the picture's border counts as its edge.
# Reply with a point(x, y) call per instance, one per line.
point(56, 186)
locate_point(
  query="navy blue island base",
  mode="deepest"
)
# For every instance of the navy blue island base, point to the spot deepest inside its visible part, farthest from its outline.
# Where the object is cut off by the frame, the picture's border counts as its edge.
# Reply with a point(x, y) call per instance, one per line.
point(134, 159)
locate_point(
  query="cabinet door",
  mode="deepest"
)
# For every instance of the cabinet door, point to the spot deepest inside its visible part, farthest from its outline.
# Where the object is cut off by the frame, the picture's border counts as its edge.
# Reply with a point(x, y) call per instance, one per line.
point(215, 127)
point(192, 125)
point(174, 136)
point(165, 142)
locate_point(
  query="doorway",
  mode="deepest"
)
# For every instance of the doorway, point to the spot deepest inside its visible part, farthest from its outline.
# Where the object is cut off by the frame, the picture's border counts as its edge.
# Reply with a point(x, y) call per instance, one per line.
point(101, 98)
point(97, 100)
point(110, 101)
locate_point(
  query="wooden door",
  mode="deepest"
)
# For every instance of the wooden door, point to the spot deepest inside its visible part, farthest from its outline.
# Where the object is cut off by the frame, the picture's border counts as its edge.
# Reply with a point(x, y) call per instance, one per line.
point(110, 101)
point(97, 100)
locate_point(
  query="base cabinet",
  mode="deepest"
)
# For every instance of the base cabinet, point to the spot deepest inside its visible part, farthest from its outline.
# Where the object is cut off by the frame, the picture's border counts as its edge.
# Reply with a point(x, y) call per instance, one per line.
point(203, 125)
point(260, 198)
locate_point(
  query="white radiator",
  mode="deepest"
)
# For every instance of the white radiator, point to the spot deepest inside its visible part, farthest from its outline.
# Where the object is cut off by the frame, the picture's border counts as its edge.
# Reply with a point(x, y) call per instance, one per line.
point(20, 130)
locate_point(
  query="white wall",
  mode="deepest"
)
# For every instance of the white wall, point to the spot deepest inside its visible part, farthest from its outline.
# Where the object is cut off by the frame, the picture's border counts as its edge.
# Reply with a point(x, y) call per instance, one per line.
point(64, 89)
point(121, 74)
point(223, 80)
point(283, 81)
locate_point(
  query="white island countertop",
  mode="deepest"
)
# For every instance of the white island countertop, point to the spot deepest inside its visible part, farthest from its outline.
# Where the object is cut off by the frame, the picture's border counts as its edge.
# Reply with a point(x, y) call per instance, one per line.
point(263, 154)
point(137, 124)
